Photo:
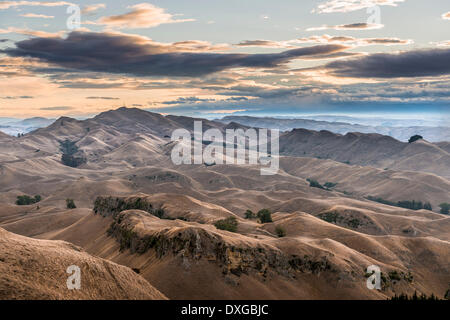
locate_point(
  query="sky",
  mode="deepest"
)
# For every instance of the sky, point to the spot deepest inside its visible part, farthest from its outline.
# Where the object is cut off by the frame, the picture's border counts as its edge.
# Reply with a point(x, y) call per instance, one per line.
point(213, 58)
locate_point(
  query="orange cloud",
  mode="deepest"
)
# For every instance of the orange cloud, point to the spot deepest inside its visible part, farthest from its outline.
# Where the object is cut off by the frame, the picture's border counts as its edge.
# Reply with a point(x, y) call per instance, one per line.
point(34, 15)
point(34, 33)
point(143, 15)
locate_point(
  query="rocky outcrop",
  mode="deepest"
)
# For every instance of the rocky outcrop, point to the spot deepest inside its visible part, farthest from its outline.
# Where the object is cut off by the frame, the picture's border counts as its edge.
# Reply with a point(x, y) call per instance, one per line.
point(112, 206)
point(195, 242)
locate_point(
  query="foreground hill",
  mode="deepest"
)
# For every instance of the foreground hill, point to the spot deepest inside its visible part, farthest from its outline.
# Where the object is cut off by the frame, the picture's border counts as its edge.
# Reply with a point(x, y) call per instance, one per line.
point(181, 253)
point(36, 269)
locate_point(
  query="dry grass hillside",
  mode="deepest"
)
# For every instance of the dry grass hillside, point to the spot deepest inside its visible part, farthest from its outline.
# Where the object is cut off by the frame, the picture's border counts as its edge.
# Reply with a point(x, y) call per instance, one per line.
point(36, 269)
point(367, 150)
point(137, 209)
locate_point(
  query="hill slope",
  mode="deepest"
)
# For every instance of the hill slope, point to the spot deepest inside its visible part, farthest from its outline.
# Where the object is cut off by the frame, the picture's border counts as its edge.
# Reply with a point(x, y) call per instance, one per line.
point(367, 150)
point(36, 269)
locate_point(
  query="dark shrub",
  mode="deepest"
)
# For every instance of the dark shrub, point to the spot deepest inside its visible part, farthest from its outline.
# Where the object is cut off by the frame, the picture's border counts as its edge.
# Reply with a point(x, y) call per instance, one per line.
point(264, 215)
point(228, 224)
point(280, 231)
point(314, 184)
point(70, 155)
point(394, 275)
point(414, 138)
point(249, 214)
point(27, 200)
point(445, 208)
point(330, 185)
point(70, 204)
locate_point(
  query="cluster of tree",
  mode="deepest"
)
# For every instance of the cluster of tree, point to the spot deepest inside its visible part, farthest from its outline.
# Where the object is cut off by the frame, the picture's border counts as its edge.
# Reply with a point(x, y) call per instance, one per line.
point(445, 208)
point(264, 215)
point(228, 224)
point(315, 184)
point(19, 135)
point(414, 297)
point(69, 154)
point(413, 205)
point(27, 200)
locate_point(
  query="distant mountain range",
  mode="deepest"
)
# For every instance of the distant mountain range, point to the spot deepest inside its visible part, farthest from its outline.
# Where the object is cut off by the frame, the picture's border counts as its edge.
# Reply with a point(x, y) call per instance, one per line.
point(433, 131)
point(383, 126)
point(13, 126)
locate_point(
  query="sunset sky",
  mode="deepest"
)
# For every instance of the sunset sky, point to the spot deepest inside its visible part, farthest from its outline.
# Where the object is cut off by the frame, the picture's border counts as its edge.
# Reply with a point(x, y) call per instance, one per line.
point(214, 58)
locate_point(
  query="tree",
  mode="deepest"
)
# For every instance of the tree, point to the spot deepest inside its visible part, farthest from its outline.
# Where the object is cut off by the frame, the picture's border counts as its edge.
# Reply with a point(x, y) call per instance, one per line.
point(445, 208)
point(415, 138)
point(280, 231)
point(70, 204)
point(264, 215)
point(427, 206)
point(249, 214)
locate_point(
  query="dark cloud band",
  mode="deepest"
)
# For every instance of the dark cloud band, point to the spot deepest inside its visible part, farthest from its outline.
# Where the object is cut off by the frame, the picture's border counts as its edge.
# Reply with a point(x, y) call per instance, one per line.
point(114, 53)
point(416, 63)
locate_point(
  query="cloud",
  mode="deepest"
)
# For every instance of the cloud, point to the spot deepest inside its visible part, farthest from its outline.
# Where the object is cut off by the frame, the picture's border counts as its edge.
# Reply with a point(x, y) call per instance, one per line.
point(332, 6)
point(199, 46)
point(347, 40)
point(90, 9)
point(59, 108)
point(324, 39)
point(446, 16)
point(113, 53)
point(263, 43)
point(10, 4)
point(143, 15)
point(352, 26)
point(445, 43)
point(182, 100)
point(17, 97)
point(34, 15)
point(102, 98)
point(34, 33)
point(415, 63)
point(237, 99)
